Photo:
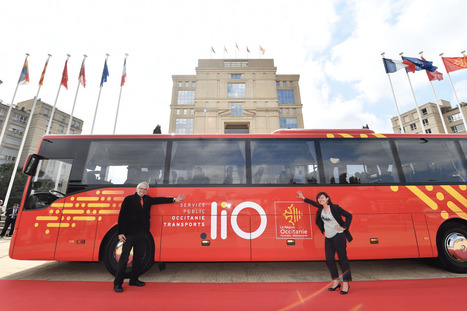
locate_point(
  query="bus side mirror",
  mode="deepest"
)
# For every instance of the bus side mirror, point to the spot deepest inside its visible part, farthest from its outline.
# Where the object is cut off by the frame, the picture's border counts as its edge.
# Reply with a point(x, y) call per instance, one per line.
point(30, 166)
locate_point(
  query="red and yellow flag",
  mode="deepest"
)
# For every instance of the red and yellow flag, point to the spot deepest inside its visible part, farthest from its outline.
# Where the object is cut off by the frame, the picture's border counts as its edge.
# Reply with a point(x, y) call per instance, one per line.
point(454, 63)
point(41, 81)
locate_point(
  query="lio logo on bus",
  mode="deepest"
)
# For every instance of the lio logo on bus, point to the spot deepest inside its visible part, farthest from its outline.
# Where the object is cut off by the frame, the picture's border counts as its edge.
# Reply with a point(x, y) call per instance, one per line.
point(234, 221)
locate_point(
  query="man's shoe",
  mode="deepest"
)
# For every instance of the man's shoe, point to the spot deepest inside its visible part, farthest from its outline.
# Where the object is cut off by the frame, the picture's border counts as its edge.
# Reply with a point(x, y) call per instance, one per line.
point(137, 283)
point(118, 288)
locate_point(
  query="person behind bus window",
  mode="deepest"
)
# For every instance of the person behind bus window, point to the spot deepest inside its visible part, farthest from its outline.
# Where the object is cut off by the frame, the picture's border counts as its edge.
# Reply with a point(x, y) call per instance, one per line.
point(336, 231)
point(133, 226)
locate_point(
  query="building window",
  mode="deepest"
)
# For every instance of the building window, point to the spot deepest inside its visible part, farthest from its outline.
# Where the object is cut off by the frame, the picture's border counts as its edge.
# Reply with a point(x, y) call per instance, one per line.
point(428, 131)
point(193, 84)
point(77, 125)
point(177, 112)
point(278, 83)
point(458, 128)
point(424, 111)
point(180, 84)
point(280, 111)
point(235, 76)
point(185, 111)
point(63, 119)
point(46, 112)
point(294, 110)
point(236, 90)
point(19, 118)
point(2, 112)
point(284, 83)
point(187, 84)
point(13, 140)
point(186, 98)
point(286, 97)
point(16, 129)
point(8, 154)
point(288, 123)
point(72, 131)
point(192, 111)
point(413, 126)
point(291, 83)
point(454, 118)
point(61, 128)
point(184, 126)
point(425, 122)
point(236, 109)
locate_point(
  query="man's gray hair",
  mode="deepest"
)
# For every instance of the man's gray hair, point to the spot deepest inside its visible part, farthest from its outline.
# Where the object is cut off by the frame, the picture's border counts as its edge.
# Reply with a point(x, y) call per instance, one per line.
point(143, 183)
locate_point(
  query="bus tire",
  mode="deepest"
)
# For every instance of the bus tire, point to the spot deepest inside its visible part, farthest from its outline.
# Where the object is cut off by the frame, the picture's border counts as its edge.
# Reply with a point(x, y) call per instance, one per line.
point(451, 242)
point(113, 250)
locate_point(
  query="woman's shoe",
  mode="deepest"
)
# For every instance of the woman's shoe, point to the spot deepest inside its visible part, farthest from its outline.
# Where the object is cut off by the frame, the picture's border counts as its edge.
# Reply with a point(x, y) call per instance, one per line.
point(345, 292)
point(331, 289)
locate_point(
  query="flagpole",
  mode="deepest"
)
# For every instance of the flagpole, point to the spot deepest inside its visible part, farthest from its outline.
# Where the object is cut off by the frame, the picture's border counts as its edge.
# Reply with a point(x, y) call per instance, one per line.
point(25, 135)
point(415, 99)
point(455, 94)
point(436, 102)
point(120, 95)
point(98, 98)
point(76, 96)
point(55, 103)
point(395, 101)
point(9, 109)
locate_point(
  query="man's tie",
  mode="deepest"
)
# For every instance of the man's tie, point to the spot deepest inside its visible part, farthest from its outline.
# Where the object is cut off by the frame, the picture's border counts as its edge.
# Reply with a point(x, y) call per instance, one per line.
point(142, 202)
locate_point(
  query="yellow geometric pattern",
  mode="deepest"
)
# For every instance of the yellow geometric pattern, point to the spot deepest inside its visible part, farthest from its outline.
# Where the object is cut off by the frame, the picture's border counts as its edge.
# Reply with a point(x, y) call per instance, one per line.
point(439, 204)
point(81, 208)
point(292, 214)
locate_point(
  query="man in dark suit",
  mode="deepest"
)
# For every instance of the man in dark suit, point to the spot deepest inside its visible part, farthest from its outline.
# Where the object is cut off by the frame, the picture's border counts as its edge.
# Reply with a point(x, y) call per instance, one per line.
point(133, 225)
point(11, 214)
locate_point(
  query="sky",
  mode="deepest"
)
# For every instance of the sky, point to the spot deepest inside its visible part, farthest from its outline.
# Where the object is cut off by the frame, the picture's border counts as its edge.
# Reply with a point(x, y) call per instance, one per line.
point(334, 45)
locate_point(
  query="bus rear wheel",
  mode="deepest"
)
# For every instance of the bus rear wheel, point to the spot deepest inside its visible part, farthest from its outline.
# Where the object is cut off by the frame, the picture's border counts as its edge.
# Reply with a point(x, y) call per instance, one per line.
point(452, 247)
point(113, 250)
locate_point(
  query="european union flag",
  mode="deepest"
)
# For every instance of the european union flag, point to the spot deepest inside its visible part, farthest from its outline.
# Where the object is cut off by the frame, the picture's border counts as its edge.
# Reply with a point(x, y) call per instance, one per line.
point(105, 73)
point(421, 64)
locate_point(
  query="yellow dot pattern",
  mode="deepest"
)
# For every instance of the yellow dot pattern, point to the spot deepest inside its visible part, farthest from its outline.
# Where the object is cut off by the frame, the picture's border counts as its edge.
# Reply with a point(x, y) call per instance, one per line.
point(85, 207)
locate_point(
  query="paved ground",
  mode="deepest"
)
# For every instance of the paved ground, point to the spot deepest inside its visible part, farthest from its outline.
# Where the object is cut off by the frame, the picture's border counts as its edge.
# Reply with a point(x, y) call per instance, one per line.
point(221, 272)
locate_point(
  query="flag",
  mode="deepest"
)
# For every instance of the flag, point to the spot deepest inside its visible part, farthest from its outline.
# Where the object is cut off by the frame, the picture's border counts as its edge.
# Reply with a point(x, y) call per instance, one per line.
point(454, 63)
point(41, 81)
point(24, 76)
point(435, 75)
point(225, 49)
point(261, 49)
point(392, 65)
point(248, 51)
point(421, 64)
point(124, 73)
point(64, 81)
point(105, 74)
point(82, 75)
point(212, 50)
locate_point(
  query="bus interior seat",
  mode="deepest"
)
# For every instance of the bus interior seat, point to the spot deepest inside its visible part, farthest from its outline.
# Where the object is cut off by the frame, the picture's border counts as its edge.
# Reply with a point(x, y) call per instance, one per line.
point(91, 178)
point(198, 176)
point(258, 175)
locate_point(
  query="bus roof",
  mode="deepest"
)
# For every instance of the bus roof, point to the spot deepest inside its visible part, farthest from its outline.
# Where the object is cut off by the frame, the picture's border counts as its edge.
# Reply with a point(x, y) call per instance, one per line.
point(283, 133)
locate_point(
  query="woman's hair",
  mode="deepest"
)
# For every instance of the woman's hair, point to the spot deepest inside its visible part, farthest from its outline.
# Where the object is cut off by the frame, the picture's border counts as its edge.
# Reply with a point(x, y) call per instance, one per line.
point(326, 195)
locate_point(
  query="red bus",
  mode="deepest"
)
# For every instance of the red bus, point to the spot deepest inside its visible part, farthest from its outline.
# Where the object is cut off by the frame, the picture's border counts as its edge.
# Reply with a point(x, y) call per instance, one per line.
point(408, 195)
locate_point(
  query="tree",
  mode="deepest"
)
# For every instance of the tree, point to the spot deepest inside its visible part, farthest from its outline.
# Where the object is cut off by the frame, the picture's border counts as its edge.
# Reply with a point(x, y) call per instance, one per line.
point(18, 186)
point(157, 130)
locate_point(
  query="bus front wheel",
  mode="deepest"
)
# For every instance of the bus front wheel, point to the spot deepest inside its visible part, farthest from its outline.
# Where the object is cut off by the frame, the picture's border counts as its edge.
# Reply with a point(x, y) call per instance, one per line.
point(113, 250)
point(452, 247)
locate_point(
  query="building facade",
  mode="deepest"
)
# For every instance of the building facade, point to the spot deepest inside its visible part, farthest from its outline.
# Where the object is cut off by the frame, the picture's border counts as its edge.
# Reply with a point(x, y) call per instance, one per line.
point(16, 127)
point(432, 119)
point(235, 96)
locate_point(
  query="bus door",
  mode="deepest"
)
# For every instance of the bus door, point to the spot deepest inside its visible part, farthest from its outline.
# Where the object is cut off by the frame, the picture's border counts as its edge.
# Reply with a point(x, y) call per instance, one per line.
point(41, 216)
